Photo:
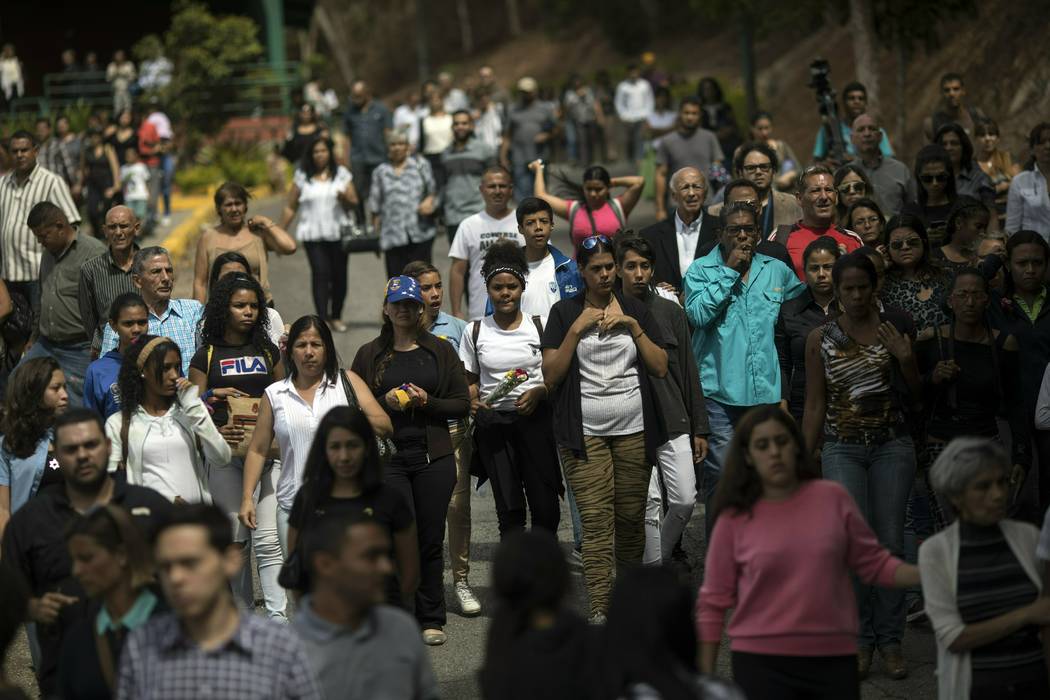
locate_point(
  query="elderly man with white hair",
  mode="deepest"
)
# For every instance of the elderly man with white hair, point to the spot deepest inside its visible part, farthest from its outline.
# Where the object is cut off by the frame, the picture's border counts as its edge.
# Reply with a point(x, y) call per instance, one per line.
point(981, 583)
point(680, 239)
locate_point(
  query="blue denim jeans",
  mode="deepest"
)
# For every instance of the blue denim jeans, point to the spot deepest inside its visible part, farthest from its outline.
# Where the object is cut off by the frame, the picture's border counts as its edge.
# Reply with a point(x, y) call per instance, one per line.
point(722, 419)
point(73, 358)
point(524, 181)
point(879, 477)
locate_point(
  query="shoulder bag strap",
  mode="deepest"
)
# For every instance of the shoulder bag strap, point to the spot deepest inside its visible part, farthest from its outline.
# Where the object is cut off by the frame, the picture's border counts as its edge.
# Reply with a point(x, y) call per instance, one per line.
point(475, 331)
point(105, 660)
point(618, 210)
point(539, 326)
point(348, 388)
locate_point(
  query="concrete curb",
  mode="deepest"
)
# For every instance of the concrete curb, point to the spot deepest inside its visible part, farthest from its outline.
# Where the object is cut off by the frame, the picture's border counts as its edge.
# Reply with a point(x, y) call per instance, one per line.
point(180, 239)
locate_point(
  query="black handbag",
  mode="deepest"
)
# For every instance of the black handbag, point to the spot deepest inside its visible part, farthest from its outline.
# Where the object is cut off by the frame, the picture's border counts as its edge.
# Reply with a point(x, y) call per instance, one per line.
point(293, 574)
point(356, 238)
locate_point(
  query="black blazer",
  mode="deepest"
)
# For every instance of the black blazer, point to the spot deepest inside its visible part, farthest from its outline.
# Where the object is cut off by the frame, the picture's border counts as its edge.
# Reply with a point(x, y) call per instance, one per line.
point(663, 239)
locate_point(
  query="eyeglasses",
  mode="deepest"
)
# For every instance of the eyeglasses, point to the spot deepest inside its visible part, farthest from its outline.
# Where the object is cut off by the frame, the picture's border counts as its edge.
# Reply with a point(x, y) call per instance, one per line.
point(853, 188)
point(963, 295)
point(758, 168)
point(867, 221)
point(930, 179)
point(906, 243)
point(737, 230)
point(592, 241)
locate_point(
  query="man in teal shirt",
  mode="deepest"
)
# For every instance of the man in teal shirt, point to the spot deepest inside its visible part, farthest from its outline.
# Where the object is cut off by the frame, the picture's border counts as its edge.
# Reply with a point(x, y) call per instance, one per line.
point(732, 298)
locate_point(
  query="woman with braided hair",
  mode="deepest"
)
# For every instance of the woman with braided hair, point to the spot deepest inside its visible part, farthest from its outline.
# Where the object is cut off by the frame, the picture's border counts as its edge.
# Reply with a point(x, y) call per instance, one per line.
point(155, 435)
point(512, 430)
point(419, 381)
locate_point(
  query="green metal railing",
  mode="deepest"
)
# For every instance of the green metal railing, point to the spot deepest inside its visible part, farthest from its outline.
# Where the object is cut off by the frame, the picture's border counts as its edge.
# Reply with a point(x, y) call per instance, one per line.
point(255, 89)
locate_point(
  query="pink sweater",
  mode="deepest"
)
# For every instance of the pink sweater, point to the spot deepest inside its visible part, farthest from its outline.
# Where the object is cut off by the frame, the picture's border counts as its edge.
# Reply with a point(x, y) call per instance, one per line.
point(785, 569)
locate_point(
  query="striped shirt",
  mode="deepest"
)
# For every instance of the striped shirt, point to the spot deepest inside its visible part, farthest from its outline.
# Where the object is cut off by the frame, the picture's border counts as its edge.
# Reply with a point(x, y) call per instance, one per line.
point(294, 425)
point(261, 660)
point(991, 583)
point(101, 281)
point(179, 322)
point(53, 156)
point(20, 251)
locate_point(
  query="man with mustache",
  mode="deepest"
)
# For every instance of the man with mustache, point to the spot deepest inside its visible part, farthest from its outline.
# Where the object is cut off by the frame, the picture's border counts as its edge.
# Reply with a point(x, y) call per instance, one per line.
point(153, 275)
point(732, 297)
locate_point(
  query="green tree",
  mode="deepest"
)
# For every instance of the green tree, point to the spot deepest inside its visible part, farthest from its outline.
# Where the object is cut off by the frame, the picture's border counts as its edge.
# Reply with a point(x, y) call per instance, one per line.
point(205, 50)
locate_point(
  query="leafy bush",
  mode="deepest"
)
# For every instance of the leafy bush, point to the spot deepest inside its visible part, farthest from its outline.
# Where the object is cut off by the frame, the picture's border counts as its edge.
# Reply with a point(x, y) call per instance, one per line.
point(198, 179)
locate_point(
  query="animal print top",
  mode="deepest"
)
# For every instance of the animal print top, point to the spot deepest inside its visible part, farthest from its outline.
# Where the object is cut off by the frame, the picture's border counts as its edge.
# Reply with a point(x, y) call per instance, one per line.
point(858, 378)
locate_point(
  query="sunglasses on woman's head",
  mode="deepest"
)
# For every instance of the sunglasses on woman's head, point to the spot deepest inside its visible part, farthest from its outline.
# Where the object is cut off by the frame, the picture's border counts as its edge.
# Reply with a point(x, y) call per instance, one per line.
point(852, 188)
point(939, 177)
point(592, 241)
point(906, 243)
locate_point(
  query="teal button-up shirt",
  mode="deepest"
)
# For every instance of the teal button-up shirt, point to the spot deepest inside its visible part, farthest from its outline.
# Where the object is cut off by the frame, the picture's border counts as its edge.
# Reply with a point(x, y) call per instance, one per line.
point(733, 326)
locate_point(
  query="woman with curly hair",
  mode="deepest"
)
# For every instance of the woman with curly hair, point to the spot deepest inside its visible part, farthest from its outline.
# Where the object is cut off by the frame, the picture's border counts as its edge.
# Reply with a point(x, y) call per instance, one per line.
point(512, 433)
point(36, 394)
point(236, 360)
point(233, 262)
point(782, 550)
point(162, 419)
point(419, 380)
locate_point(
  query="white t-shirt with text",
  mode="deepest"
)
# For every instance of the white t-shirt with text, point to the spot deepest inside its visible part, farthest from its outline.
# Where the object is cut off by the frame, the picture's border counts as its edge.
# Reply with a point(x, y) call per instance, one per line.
point(499, 352)
point(473, 238)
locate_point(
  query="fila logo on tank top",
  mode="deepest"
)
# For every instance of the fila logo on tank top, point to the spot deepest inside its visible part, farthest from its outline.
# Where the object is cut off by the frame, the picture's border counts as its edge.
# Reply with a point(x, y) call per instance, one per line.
point(240, 366)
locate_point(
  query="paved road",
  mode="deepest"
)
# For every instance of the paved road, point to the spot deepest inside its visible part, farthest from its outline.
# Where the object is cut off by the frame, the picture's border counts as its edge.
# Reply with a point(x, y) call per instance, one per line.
point(457, 662)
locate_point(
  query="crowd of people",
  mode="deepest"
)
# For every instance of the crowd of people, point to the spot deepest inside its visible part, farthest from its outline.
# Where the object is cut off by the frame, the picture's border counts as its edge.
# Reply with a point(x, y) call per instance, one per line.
point(845, 363)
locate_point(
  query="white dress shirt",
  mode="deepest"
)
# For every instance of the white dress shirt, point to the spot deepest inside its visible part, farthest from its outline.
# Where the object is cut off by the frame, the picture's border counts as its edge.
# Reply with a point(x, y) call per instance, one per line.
point(687, 236)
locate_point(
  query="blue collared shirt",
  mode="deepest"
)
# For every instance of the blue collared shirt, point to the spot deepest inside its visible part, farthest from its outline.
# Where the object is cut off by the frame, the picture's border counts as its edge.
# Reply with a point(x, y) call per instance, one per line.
point(22, 475)
point(448, 327)
point(179, 323)
point(100, 384)
point(733, 326)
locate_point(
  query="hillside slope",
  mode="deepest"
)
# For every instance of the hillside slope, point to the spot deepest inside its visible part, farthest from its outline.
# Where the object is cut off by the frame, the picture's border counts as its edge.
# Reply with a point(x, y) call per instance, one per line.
point(1001, 50)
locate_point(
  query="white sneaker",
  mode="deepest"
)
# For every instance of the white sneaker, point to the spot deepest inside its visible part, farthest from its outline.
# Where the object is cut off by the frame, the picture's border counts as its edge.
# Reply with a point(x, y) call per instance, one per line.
point(597, 619)
point(166, 221)
point(468, 603)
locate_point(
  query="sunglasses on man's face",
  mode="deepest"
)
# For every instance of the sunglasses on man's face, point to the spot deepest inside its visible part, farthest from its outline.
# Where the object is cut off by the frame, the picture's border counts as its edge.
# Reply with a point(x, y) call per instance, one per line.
point(906, 243)
point(930, 179)
point(592, 241)
point(853, 188)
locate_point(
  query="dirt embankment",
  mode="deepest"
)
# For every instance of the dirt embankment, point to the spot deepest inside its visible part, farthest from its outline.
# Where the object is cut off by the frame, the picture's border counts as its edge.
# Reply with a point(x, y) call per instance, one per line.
point(1001, 49)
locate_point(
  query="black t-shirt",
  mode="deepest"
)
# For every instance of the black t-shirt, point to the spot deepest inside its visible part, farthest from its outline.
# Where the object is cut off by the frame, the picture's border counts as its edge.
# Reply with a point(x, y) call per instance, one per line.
point(411, 367)
point(52, 472)
point(240, 367)
point(384, 504)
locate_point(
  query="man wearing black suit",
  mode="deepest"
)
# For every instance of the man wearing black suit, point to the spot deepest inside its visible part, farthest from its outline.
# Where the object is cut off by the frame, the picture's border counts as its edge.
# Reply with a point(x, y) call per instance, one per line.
point(680, 238)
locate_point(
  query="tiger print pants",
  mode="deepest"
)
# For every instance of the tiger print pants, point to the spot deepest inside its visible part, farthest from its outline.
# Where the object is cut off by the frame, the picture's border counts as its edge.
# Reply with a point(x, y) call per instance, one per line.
point(610, 486)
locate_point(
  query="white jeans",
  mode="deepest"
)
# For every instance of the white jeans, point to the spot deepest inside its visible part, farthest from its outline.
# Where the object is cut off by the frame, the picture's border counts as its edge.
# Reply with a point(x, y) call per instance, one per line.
point(675, 478)
point(225, 484)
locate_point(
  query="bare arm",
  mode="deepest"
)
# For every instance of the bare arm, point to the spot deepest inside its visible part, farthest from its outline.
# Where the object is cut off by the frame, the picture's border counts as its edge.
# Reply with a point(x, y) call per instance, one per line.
point(816, 400)
point(5, 507)
point(349, 195)
point(200, 269)
point(556, 361)
point(114, 167)
point(275, 237)
point(634, 184)
point(457, 279)
point(979, 634)
point(5, 302)
point(708, 657)
point(504, 152)
point(559, 205)
point(290, 207)
point(254, 461)
point(661, 192)
point(377, 417)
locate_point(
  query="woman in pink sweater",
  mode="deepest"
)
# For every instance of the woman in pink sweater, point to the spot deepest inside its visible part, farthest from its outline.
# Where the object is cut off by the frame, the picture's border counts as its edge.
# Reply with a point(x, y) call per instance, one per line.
point(781, 553)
